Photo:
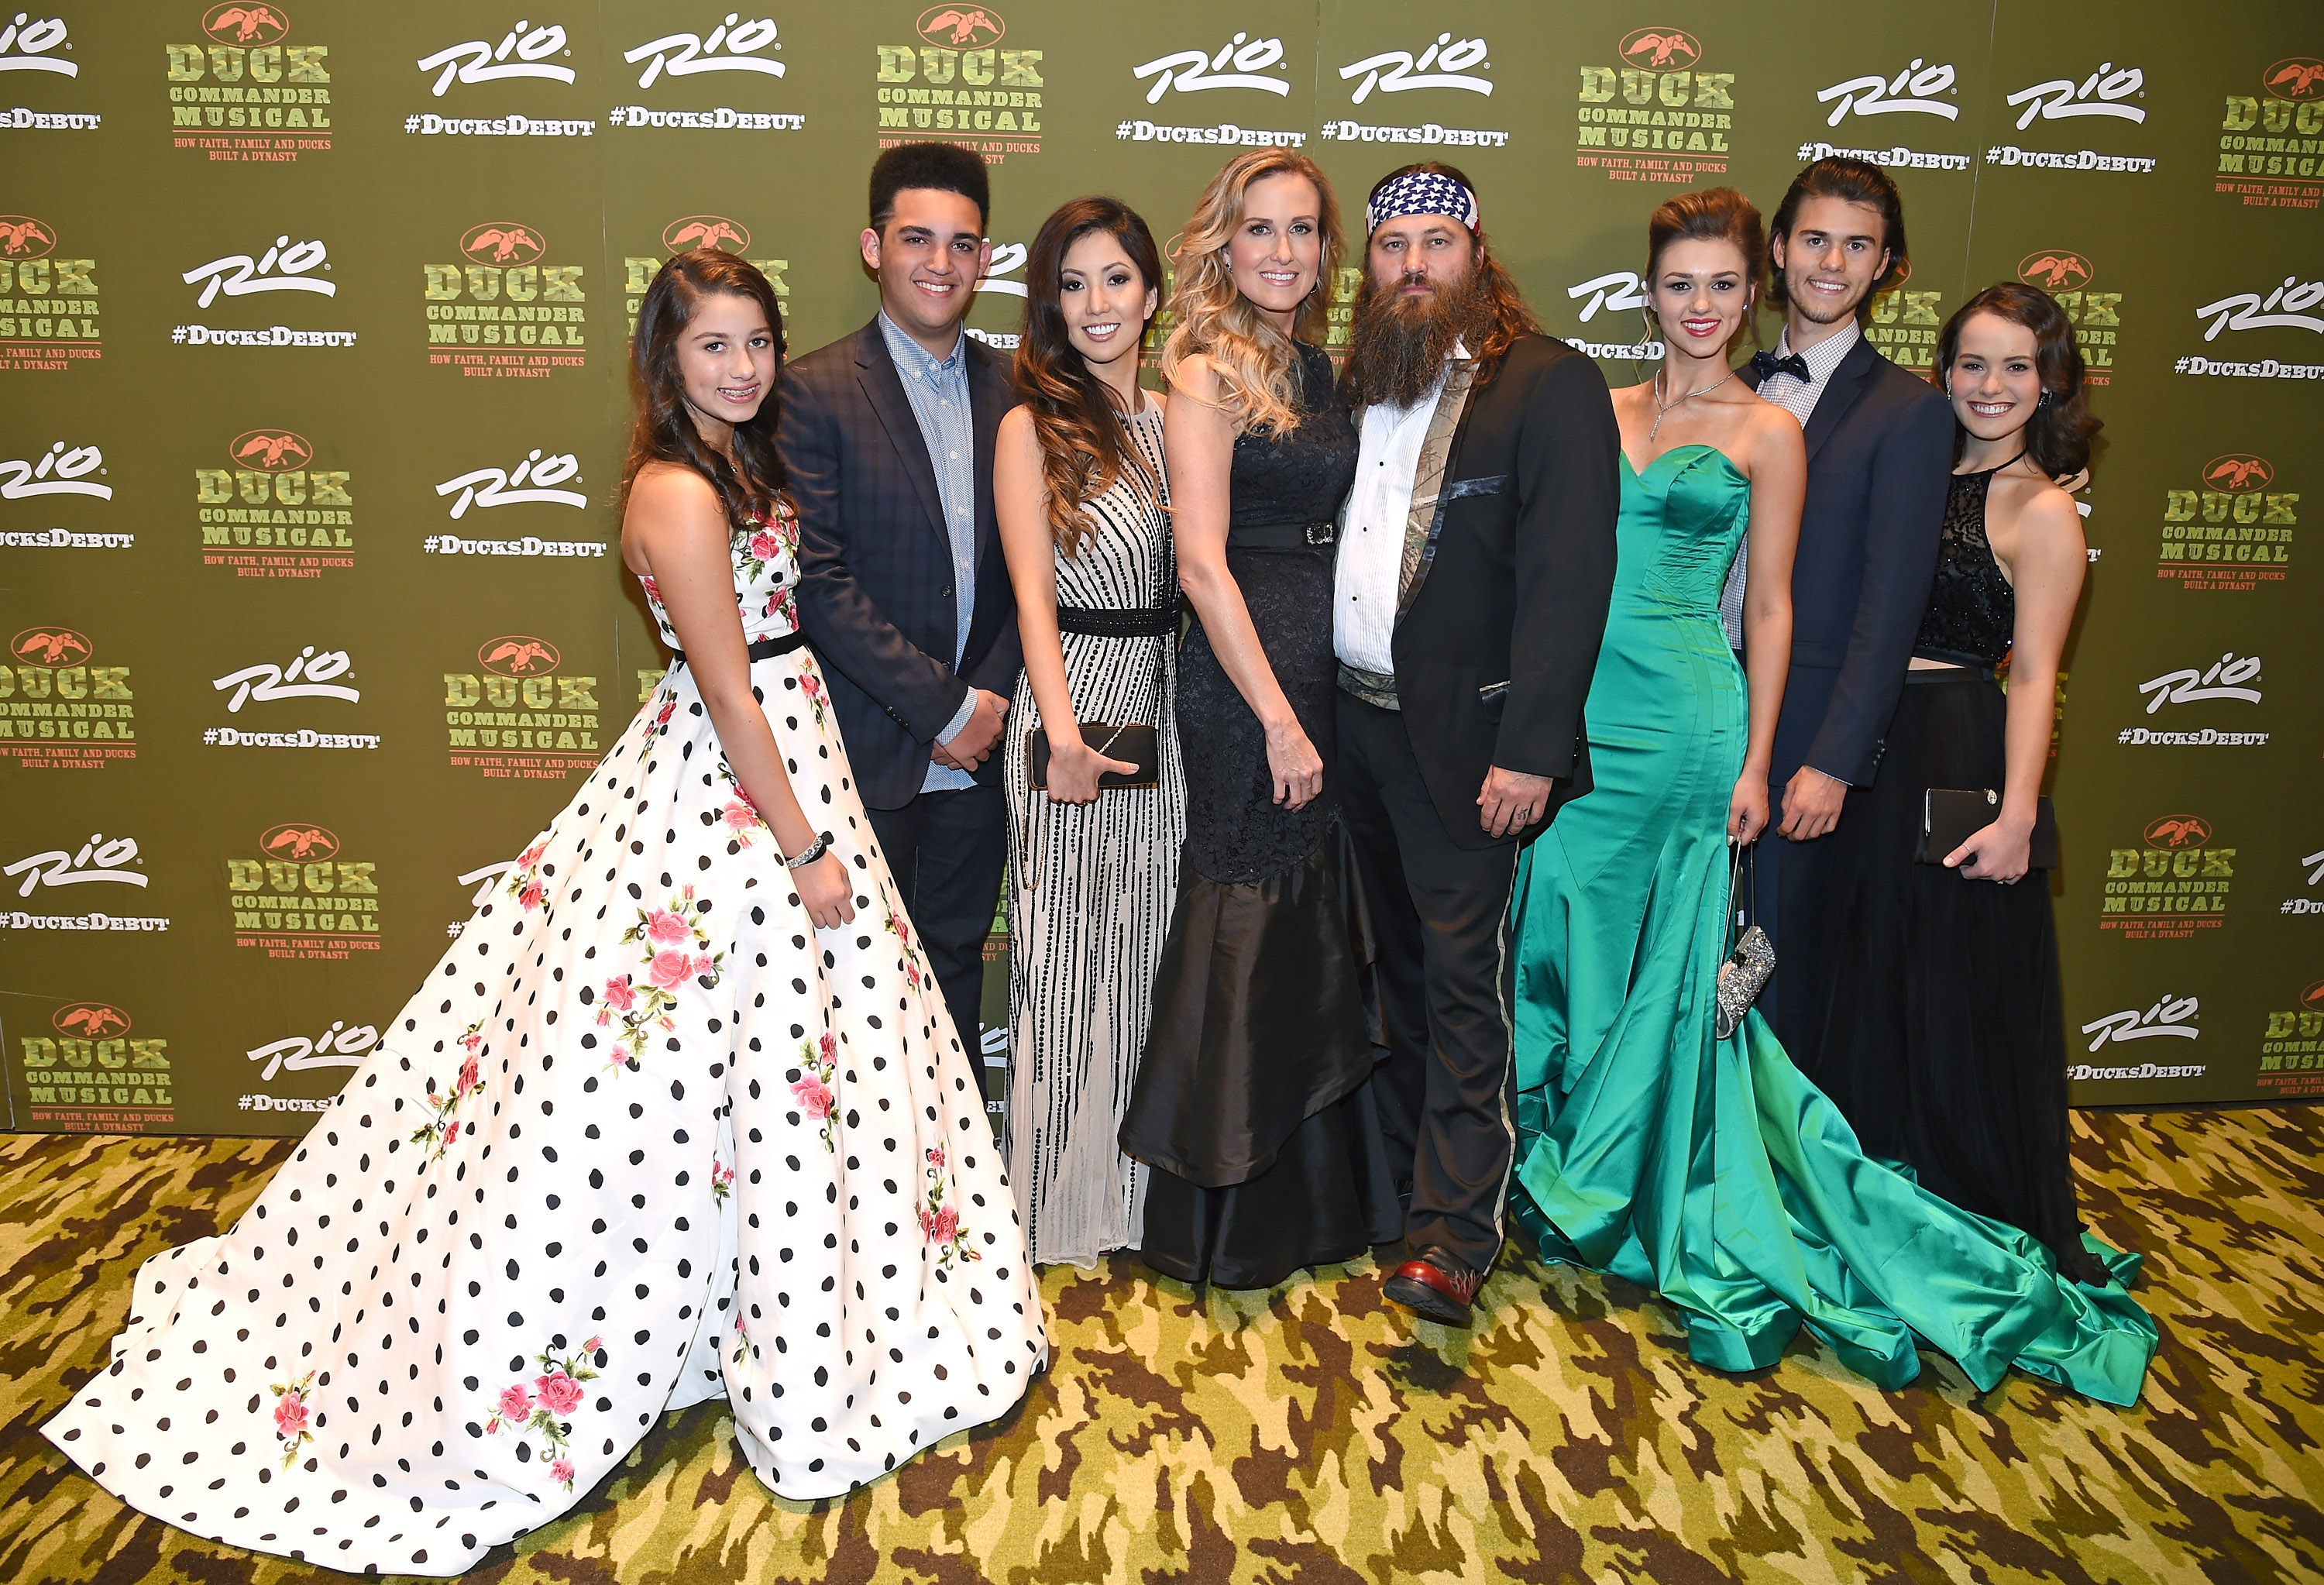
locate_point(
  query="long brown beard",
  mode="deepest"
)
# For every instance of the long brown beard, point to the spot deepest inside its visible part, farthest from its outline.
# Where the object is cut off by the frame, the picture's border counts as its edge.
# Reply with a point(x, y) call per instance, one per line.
point(1397, 346)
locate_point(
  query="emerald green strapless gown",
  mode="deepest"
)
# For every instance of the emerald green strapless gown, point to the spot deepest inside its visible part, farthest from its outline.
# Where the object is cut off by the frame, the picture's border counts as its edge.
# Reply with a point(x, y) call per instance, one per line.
point(1710, 1171)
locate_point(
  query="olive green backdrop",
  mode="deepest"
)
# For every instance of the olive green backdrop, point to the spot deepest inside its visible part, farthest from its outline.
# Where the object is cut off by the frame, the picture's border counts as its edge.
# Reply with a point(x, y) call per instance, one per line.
point(312, 326)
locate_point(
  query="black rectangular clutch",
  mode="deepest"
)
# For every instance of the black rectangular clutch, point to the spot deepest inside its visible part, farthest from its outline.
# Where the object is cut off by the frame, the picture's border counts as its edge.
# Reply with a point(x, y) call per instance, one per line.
point(1950, 817)
point(1139, 745)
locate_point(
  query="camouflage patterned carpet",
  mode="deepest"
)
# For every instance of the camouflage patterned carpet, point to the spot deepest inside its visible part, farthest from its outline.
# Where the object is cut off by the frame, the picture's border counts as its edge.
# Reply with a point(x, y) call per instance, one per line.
point(1311, 1434)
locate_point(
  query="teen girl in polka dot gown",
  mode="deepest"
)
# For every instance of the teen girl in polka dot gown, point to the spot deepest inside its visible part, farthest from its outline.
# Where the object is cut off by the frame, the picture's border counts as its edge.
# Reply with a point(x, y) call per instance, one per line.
point(652, 1132)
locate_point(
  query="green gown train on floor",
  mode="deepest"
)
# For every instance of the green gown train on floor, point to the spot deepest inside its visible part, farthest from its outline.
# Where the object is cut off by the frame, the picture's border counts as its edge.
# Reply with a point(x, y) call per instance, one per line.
point(1710, 1171)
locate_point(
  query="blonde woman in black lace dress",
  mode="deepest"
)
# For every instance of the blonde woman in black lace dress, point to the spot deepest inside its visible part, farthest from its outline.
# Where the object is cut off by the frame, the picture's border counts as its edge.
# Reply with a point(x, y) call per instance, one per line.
point(1079, 482)
point(1253, 1104)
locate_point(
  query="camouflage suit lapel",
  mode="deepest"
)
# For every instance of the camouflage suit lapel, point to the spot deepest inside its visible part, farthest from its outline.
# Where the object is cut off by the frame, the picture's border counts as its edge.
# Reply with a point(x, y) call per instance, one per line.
point(1422, 523)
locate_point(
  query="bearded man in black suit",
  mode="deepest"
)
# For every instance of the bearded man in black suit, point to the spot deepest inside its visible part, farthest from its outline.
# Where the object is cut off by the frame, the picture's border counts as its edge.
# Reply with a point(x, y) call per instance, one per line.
point(1475, 566)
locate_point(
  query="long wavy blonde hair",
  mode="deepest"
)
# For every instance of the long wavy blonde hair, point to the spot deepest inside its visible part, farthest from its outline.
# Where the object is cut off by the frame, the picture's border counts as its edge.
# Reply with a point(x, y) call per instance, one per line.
point(1256, 365)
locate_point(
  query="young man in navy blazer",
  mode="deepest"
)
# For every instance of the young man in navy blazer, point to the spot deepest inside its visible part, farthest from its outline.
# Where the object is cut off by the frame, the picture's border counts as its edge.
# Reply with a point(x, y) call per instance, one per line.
point(887, 437)
point(1879, 442)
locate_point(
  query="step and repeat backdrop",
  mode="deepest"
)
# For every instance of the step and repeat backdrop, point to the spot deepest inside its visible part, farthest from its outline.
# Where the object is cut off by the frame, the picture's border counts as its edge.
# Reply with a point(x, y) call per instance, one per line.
point(313, 321)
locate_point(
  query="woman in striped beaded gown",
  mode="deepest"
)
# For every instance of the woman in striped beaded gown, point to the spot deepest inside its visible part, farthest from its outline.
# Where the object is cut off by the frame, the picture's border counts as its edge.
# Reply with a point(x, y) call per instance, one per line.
point(1078, 482)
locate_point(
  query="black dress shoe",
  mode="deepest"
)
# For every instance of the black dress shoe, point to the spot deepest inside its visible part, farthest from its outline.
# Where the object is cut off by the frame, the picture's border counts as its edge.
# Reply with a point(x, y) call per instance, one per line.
point(1436, 1286)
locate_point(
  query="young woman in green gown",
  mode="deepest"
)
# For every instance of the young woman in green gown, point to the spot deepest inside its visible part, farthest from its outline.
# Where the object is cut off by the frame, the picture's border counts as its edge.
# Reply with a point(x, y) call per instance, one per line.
point(1709, 1170)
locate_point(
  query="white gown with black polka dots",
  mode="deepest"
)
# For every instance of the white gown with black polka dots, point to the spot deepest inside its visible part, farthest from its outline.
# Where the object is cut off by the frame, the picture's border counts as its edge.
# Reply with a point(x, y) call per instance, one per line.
point(644, 1137)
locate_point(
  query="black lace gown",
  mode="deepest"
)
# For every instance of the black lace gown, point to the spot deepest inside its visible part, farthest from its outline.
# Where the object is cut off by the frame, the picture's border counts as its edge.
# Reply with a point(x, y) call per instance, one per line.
point(1252, 1102)
point(1942, 1035)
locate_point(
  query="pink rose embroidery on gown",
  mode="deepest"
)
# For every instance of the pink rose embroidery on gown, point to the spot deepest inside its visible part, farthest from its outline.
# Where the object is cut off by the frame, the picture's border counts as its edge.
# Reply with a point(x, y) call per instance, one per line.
point(644, 1137)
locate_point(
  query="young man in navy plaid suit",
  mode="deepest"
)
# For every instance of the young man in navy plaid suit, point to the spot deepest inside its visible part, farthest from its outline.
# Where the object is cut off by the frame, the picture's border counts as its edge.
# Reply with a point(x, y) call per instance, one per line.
point(887, 437)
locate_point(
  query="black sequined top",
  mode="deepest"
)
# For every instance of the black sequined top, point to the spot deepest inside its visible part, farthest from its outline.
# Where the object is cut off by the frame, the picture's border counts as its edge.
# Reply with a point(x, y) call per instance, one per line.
point(1972, 611)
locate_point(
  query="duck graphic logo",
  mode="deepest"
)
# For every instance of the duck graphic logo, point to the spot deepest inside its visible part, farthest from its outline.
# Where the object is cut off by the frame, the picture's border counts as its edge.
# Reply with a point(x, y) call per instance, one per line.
point(297, 841)
point(271, 451)
point(91, 1020)
point(24, 237)
point(518, 655)
point(2296, 77)
point(50, 646)
point(2178, 830)
point(2238, 471)
point(961, 26)
point(707, 231)
point(2054, 271)
point(502, 242)
point(1660, 49)
point(236, 23)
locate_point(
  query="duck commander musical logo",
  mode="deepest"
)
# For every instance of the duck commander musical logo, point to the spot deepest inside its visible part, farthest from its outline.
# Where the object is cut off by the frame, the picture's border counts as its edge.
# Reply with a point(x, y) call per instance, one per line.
point(722, 232)
point(1656, 116)
point(503, 310)
point(959, 82)
point(517, 711)
point(297, 895)
point(49, 305)
point(244, 92)
point(96, 1070)
point(2175, 883)
point(2096, 316)
point(2272, 142)
point(58, 710)
point(273, 514)
point(2292, 1051)
point(2232, 529)
point(1905, 321)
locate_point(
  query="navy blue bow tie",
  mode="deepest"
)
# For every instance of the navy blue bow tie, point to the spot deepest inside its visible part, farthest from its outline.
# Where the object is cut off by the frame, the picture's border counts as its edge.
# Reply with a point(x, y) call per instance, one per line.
point(1764, 364)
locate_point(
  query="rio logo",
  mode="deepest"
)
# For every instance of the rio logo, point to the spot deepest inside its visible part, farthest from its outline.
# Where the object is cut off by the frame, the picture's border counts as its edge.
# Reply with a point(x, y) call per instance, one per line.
point(306, 677)
point(477, 61)
point(2248, 310)
point(1444, 64)
point(2189, 686)
point(2099, 94)
point(240, 275)
point(1880, 96)
point(2056, 270)
point(97, 859)
point(2170, 1015)
point(1191, 70)
point(59, 472)
point(689, 54)
point(528, 482)
point(339, 1046)
point(706, 231)
point(25, 44)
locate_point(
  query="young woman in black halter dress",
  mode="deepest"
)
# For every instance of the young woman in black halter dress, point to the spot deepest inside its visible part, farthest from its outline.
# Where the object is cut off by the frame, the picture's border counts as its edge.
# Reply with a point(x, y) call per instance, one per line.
point(1253, 1102)
point(1944, 1034)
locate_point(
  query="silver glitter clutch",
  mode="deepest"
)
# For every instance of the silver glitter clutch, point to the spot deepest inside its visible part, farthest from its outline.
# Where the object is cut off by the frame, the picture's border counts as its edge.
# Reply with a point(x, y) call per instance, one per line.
point(1748, 965)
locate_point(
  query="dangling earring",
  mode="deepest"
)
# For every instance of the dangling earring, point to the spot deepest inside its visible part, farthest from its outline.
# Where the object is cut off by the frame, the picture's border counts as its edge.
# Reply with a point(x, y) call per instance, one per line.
point(2047, 396)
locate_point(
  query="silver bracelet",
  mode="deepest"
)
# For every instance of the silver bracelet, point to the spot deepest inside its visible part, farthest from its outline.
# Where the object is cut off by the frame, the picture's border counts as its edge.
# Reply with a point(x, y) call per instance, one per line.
point(809, 853)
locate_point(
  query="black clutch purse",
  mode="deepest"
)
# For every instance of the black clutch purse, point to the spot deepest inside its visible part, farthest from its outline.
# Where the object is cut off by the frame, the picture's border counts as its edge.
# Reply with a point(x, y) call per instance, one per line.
point(1950, 817)
point(1140, 745)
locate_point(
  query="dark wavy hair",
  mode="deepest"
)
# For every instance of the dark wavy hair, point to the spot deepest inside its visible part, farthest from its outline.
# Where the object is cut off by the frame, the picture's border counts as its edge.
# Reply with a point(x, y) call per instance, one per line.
point(2058, 436)
point(1499, 291)
point(1851, 182)
point(664, 430)
point(1711, 213)
point(1083, 447)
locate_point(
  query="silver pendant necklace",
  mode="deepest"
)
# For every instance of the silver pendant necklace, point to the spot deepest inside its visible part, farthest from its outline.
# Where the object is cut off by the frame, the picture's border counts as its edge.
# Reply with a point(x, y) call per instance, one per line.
point(1661, 406)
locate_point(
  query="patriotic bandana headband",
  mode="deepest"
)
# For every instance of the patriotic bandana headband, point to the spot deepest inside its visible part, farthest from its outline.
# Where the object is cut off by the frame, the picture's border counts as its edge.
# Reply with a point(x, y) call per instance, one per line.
point(1420, 192)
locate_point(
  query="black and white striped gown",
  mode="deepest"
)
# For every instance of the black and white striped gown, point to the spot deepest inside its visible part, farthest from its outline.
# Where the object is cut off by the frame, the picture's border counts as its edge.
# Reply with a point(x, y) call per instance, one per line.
point(1090, 887)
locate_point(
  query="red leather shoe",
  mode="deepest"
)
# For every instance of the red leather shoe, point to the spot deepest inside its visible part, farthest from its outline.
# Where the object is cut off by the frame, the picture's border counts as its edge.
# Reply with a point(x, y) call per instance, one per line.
point(1436, 1286)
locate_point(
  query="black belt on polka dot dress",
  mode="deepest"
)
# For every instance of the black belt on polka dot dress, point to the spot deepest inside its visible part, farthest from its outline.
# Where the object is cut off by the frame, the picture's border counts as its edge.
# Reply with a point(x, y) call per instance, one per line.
point(761, 648)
